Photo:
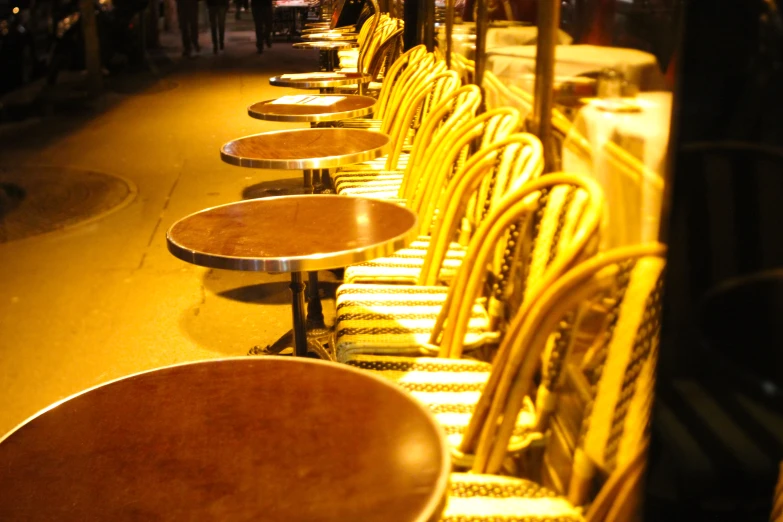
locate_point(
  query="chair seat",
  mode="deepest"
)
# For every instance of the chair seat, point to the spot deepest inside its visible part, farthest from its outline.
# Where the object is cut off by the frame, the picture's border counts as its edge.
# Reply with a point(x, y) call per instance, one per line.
point(491, 498)
point(384, 187)
point(397, 320)
point(362, 123)
point(377, 164)
point(358, 178)
point(450, 388)
point(404, 266)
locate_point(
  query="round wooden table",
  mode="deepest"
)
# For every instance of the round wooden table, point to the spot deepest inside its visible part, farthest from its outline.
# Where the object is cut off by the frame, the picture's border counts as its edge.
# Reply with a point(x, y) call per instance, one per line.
point(329, 50)
point(324, 81)
point(293, 234)
point(307, 108)
point(314, 151)
point(228, 440)
point(332, 37)
point(323, 27)
point(310, 150)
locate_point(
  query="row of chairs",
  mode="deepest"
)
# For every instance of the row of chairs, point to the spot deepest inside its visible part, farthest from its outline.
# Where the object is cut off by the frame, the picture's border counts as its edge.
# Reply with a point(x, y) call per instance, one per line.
point(507, 270)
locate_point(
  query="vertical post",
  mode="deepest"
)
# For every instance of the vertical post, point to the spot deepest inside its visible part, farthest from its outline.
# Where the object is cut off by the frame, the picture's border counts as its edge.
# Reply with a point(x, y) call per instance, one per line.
point(429, 24)
point(92, 48)
point(482, 24)
point(315, 313)
point(298, 310)
point(449, 30)
point(548, 23)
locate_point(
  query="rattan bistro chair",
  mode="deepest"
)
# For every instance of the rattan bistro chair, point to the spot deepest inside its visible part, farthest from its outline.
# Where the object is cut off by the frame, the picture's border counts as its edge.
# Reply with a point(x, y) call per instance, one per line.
point(614, 379)
point(400, 70)
point(425, 183)
point(484, 181)
point(422, 85)
point(415, 320)
point(431, 138)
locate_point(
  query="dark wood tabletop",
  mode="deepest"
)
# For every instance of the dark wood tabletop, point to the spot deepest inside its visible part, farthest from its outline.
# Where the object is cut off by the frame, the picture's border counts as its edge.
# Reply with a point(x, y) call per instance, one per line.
point(325, 46)
point(350, 106)
point(320, 80)
point(292, 233)
point(305, 148)
point(262, 438)
point(329, 36)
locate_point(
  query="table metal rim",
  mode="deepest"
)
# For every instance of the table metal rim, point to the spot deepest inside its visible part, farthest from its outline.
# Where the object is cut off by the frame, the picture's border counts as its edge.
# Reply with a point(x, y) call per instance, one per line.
point(309, 263)
point(324, 37)
point(323, 162)
point(325, 45)
point(326, 116)
point(441, 484)
point(277, 81)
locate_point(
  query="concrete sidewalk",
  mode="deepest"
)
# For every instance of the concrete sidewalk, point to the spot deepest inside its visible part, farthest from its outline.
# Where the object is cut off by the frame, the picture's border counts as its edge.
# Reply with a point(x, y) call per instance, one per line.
point(93, 303)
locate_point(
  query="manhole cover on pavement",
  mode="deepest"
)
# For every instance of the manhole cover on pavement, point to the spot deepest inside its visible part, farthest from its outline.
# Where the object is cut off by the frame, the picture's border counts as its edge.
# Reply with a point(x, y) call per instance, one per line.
point(36, 200)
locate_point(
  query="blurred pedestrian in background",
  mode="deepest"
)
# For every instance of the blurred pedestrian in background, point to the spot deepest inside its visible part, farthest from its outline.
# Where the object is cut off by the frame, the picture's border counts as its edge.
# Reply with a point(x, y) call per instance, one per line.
point(241, 6)
point(187, 13)
point(217, 22)
point(262, 18)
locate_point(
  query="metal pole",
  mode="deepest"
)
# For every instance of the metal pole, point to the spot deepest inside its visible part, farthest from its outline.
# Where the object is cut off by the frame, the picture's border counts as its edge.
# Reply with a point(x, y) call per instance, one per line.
point(429, 24)
point(298, 312)
point(548, 23)
point(449, 30)
point(482, 25)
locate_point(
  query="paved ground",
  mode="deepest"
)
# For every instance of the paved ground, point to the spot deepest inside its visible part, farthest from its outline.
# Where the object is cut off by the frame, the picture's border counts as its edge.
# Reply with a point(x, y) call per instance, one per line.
point(100, 301)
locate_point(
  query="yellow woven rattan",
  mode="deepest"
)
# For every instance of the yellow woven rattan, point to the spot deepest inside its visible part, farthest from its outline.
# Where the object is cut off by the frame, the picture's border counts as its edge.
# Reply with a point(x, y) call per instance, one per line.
point(403, 319)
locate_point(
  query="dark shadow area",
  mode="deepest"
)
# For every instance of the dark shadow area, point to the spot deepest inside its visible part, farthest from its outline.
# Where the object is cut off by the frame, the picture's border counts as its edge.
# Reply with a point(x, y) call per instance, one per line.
point(717, 444)
point(244, 286)
point(11, 196)
point(266, 293)
point(275, 187)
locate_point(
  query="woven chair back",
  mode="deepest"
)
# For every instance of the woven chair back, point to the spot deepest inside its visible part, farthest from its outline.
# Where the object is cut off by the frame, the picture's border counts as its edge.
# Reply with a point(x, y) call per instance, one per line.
point(426, 186)
point(506, 165)
point(436, 88)
point(385, 55)
point(392, 76)
point(385, 28)
point(450, 114)
point(616, 372)
point(513, 220)
point(414, 76)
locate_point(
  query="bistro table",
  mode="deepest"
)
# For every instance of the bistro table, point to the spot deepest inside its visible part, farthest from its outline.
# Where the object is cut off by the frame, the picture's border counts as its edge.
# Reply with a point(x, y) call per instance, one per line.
point(332, 37)
point(293, 234)
point(229, 440)
point(324, 28)
point(312, 108)
point(325, 81)
point(312, 150)
point(329, 49)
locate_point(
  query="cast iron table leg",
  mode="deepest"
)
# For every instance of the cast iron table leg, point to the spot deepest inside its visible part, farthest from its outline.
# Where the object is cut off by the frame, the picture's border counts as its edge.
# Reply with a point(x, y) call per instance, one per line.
point(315, 314)
point(298, 309)
point(308, 181)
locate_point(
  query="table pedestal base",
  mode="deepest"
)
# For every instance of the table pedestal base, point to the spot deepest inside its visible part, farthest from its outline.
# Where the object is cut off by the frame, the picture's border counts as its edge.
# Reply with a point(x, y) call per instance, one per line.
point(315, 181)
point(309, 334)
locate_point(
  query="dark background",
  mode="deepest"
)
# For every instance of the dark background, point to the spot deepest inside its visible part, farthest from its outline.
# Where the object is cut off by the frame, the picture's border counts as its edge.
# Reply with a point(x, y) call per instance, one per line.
point(718, 429)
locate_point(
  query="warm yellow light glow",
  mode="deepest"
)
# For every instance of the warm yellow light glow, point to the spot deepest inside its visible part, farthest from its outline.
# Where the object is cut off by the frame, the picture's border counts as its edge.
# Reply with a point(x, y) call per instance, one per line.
point(16, 10)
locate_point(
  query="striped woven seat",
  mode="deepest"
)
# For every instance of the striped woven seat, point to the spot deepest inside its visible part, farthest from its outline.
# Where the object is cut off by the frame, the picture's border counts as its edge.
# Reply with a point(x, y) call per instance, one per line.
point(450, 388)
point(490, 498)
point(359, 183)
point(408, 319)
point(396, 319)
point(405, 265)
